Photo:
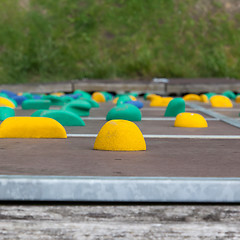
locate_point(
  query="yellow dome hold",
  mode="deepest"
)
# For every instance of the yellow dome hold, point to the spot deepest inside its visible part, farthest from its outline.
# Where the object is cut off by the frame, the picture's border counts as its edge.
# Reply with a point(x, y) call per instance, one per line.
point(115, 100)
point(160, 101)
point(237, 99)
point(151, 96)
point(133, 98)
point(31, 127)
point(192, 97)
point(58, 94)
point(120, 135)
point(6, 102)
point(190, 120)
point(204, 98)
point(220, 101)
point(98, 97)
point(155, 101)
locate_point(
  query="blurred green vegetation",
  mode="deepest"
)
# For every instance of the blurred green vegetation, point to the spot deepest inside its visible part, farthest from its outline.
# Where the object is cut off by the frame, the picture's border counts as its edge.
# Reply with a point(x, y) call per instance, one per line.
point(46, 40)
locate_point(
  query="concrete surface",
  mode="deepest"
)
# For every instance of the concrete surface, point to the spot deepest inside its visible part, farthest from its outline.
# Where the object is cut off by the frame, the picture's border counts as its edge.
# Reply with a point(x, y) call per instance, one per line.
point(104, 222)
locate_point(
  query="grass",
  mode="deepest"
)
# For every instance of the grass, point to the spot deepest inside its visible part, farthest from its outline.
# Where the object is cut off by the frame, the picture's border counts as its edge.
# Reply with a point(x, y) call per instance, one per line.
point(45, 40)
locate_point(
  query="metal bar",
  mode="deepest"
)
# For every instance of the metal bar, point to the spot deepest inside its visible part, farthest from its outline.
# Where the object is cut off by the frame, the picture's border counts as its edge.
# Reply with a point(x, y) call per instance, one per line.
point(219, 116)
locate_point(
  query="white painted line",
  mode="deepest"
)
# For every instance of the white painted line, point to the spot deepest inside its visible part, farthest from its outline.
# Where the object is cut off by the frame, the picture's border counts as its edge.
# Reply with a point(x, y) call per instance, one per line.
point(146, 118)
point(170, 136)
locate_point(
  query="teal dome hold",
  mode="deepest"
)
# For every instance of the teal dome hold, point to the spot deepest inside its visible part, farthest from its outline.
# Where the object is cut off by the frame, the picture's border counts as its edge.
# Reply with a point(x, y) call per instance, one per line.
point(210, 94)
point(93, 103)
point(36, 104)
point(122, 99)
point(55, 100)
point(126, 112)
point(65, 118)
point(38, 113)
point(6, 112)
point(79, 107)
point(83, 93)
point(175, 106)
point(229, 94)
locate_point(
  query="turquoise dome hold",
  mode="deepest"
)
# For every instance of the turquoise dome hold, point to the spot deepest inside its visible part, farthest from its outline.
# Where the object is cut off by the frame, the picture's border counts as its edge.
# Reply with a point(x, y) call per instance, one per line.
point(126, 112)
point(65, 118)
point(6, 112)
point(79, 107)
point(175, 106)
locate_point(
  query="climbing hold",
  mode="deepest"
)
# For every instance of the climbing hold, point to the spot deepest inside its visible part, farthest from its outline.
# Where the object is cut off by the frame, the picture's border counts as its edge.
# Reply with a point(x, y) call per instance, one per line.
point(190, 120)
point(36, 96)
point(122, 99)
point(6, 112)
point(237, 99)
point(132, 98)
point(120, 135)
point(126, 112)
point(158, 101)
point(175, 106)
point(191, 97)
point(31, 127)
point(138, 104)
point(38, 113)
point(75, 95)
point(55, 100)
point(210, 94)
point(27, 95)
point(220, 101)
point(155, 101)
point(79, 107)
point(67, 99)
point(135, 94)
point(36, 104)
point(92, 102)
point(83, 93)
point(10, 94)
point(59, 94)
point(229, 94)
point(7, 102)
point(115, 100)
point(108, 96)
point(151, 96)
point(65, 118)
point(165, 101)
point(204, 98)
point(19, 99)
point(98, 97)
point(4, 95)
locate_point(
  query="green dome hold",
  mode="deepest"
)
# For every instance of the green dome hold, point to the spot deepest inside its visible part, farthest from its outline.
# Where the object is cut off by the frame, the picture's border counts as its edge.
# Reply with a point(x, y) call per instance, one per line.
point(38, 113)
point(55, 100)
point(126, 112)
point(210, 94)
point(6, 112)
point(229, 94)
point(65, 118)
point(175, 106)
point(4, 95)
point(93, 103)
point(79, 107)
point(84, 94)
point(27, 95)
point(36, 104)
point(122, 99)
